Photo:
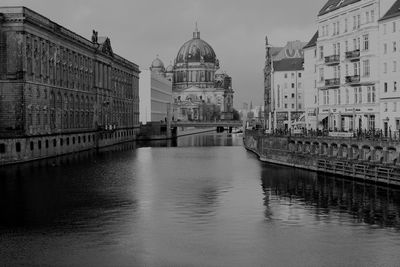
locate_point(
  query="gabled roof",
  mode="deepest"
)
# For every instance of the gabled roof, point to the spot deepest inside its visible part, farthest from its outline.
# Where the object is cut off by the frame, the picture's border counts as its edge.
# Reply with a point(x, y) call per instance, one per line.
point(332, 5)
point(312, 42)
point(394, 11)
point(289, 64)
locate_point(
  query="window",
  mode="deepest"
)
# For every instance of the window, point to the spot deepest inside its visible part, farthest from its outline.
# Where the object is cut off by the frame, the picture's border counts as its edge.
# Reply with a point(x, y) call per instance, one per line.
point(292, 95)
point(292, 85)
point(373, 97)
point(335, 95)
point(394, 86)
point(321, 74)
point(18, 147)
point(366, 41)
point(359, 95)
point(292, 106)
point(285, 75)
point(367, 16)
point(339, 100)
point(372, 122)
point(394, 66)
point(385, 67)
point(394, 47)
point(40, 144)
point(345, 25)
point(54, 142)
point(292, 75)
point(2, 148)
point(47, 143)
point(285, 105)
point(394, 26)
point(321, 52)
point(347, 96)
point(32, 146)
point(355, 95)
point(385, 48)
point(299, 75)
point(394, 106)
point(385, 87)
point(355, 65)
point(358, 21)
point(366, 68)
point(385, 107)
point(372, 15)
point(368, 94)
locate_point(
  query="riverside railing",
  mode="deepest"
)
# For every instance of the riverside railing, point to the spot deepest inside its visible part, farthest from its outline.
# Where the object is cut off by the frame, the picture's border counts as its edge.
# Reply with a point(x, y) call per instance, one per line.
point(375, 135)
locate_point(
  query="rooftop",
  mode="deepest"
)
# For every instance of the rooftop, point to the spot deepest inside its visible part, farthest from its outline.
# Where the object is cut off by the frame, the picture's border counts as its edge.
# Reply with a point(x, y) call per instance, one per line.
point(289, 64)
point(332, 5)
point(312, 42)
point(394, 11)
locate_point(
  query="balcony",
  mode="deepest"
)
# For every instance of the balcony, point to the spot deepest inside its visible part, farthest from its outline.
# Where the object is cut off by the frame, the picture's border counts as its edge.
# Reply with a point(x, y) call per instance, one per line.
point(332, 60)
point(332, 83)
point(353, 80)
point(353, 55)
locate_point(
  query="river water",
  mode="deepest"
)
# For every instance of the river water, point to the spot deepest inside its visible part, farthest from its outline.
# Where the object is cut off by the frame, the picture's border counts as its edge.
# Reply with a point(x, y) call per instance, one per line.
point(201, 201)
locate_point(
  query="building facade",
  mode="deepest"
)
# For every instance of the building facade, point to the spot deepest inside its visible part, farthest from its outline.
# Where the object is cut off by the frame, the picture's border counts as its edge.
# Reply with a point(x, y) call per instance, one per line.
point(347, 65)
point(310, 84)
point(60, 92)
point(155, 91)
point(283, 85)
point(288, 92)
point(200, 91)
point(389, 53)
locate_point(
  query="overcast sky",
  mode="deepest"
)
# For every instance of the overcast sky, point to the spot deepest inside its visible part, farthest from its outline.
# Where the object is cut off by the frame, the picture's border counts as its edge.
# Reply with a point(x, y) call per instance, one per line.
point(141, 30)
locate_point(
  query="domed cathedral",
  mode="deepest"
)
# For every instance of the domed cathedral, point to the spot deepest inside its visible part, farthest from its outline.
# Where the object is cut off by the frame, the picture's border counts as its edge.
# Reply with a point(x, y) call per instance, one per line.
point(200, 91)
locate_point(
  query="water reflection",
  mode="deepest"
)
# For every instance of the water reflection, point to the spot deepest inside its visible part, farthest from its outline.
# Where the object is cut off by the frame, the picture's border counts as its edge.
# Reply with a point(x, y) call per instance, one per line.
point(326, 195)
point(194, 203)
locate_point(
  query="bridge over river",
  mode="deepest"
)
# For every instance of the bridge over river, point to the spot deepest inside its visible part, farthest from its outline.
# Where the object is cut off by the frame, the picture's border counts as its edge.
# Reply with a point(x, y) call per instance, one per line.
point(218, 124)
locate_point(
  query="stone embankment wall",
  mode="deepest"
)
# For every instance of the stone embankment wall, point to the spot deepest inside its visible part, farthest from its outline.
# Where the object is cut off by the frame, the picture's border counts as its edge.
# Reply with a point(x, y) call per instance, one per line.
point(372, 160)
point(23, 149)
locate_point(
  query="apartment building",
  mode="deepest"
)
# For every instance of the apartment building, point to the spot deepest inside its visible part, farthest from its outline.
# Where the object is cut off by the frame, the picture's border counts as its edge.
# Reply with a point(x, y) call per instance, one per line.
point(347, 58)
point(389, 53)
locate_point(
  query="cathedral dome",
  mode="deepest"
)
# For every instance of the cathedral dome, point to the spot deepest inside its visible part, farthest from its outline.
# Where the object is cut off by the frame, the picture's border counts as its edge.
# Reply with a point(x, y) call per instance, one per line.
point(196, 50)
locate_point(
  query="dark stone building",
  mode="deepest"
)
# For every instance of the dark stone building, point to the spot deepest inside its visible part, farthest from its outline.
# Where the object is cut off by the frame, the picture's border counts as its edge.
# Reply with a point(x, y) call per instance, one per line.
point(60, 92)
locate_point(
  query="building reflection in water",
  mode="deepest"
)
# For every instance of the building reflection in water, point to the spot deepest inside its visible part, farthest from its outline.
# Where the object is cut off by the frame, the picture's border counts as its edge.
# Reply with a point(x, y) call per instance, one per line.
point(327, 195)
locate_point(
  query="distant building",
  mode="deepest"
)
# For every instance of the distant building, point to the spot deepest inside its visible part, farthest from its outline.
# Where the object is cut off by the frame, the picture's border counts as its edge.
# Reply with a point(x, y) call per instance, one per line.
point(310, 84)
point(201, 92)
point(389, 54)
point(155, 92)
point(283, 85)
point(60, 92)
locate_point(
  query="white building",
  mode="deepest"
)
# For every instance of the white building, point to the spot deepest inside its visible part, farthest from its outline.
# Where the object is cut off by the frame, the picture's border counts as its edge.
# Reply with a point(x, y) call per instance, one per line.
point(310, 83)
point(389, 51)
point(347, 65)
point(155, 92)
point(288, 93)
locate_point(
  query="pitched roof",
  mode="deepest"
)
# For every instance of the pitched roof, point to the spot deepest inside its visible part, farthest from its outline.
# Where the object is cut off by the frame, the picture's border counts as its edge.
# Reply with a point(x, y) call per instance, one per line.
point(289, 64)
point(312, 42)
point(332, 5)
point(394, 11)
